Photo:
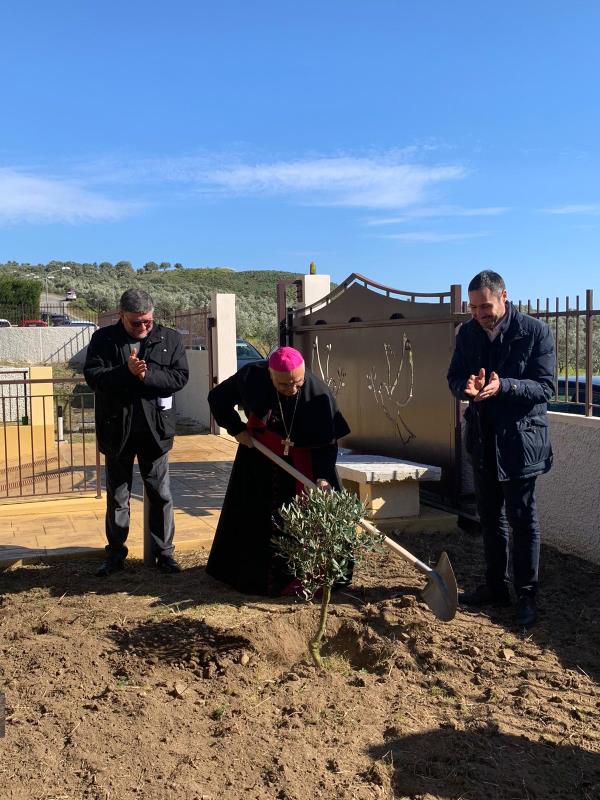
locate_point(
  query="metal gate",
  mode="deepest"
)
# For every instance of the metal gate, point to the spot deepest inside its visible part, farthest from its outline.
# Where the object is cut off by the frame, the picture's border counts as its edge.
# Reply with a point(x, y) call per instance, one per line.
point(385, 353)
point(47, 438)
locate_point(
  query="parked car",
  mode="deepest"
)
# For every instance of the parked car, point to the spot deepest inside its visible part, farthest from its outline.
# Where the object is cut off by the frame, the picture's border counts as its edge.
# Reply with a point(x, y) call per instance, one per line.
point(33, 323)
point(246, 353)
point(55, 319)
point(71, 295)
point(571, 395)
point(4, 323)
point(82, 323)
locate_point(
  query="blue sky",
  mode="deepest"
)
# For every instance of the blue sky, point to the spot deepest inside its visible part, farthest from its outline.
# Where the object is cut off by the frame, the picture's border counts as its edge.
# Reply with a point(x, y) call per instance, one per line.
point(414, 142)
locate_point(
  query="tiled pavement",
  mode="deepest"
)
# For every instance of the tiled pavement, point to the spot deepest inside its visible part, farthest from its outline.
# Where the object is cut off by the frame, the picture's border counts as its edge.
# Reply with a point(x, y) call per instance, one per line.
point(200, 466)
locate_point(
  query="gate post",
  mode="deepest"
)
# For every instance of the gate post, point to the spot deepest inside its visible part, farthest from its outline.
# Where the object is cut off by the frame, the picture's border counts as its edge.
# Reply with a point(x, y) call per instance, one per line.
point(455, 298)
point(222, 339)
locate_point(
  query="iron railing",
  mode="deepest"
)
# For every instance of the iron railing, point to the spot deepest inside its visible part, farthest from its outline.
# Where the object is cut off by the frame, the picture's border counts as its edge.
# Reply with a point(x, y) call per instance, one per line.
point(47, 438)
point(50, 313)
point(192, 324)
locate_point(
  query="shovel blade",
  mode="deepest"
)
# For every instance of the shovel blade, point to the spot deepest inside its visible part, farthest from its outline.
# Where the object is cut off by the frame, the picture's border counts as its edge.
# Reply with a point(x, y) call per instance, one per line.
point(441, 592)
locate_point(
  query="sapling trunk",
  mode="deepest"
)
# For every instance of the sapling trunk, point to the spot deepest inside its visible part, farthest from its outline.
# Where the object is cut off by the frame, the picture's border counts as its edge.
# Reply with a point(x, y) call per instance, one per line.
point(314, 646)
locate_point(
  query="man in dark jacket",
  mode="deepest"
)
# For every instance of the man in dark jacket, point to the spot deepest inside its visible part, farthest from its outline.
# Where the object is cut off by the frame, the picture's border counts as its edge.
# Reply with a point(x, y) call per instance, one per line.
point(504, 366)
point(134, 367)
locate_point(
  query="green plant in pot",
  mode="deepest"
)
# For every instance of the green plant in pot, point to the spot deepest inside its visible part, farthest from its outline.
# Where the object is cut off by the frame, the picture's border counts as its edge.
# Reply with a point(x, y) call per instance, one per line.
point(321, 541)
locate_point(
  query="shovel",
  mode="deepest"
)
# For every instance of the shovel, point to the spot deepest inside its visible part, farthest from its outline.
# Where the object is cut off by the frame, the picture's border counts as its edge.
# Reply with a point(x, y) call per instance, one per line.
point(440, 592)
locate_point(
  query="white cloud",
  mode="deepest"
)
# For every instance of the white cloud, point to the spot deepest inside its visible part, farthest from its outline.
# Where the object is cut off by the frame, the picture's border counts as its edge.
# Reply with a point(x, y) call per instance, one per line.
point(592, 209)
point(392, 180)
point(29, 198)
point(428, 237)
point(344, 181)
point(433, 212)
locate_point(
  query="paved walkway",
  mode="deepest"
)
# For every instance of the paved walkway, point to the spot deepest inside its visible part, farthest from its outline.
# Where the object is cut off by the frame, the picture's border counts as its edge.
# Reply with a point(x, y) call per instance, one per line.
point(200, 466)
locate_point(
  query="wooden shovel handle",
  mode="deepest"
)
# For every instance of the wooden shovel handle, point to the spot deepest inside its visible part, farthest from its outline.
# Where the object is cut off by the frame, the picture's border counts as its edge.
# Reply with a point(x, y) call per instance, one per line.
point(365, 524)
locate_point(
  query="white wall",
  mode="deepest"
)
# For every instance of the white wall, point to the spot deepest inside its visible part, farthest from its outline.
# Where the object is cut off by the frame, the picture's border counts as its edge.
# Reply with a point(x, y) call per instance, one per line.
point(44, 345)
point(191, 402)
point(569, 495)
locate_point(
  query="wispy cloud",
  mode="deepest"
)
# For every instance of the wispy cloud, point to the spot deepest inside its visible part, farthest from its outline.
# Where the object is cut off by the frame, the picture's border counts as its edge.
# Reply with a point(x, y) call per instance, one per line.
point(592, 209)
point(344, 181)
point(433, 237)
point(30, 198)
point(84, 190)
point(433, 212)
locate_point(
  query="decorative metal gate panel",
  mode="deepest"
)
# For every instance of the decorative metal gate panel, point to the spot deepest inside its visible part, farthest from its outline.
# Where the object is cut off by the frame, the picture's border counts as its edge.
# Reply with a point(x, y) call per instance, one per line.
point(385, 354)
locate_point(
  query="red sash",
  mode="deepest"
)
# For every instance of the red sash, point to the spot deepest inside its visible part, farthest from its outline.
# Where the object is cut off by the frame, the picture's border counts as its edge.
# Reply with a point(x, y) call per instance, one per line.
point(299, 457)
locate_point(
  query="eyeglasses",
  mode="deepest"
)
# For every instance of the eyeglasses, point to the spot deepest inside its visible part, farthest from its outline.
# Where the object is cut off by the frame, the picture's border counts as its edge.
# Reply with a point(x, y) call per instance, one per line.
point(138, 323)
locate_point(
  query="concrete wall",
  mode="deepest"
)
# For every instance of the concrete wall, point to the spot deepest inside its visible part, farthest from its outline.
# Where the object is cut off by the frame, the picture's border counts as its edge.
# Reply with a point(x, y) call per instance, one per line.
point(44, 345)
point(569, 495)
point(191, 401)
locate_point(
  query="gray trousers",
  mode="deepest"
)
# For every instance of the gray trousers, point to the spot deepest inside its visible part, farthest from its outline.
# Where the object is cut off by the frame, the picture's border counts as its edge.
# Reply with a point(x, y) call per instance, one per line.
point(119, 477)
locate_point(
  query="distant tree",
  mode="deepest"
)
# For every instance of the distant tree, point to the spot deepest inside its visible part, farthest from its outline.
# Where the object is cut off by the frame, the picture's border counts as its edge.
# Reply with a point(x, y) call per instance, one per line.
point(124, 269)
point(105, 266)
point(20, 292)
point(164, 265)
point(150, 266)
point(177, 265)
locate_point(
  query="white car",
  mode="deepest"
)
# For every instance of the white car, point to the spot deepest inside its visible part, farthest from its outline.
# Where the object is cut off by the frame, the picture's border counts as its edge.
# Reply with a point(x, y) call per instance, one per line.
point(83, 323)
point(5, 323)
point(71, 295)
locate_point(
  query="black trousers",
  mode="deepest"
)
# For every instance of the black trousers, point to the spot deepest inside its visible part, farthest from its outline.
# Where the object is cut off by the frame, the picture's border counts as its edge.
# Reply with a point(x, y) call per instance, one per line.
point(502, 506)
point(155, 475)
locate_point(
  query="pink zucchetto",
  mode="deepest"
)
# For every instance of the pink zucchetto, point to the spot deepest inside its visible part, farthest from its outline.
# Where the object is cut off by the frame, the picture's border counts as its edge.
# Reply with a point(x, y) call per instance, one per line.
point(285, 359)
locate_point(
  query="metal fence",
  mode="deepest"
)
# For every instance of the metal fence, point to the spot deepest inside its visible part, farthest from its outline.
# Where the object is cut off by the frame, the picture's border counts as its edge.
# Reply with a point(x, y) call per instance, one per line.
point(47, 438)
point(193, 324)
point(13, 396)
point(50, 313)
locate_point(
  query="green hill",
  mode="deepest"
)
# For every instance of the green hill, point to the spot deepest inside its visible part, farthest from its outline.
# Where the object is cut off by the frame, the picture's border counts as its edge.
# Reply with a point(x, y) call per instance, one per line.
point(99, 286)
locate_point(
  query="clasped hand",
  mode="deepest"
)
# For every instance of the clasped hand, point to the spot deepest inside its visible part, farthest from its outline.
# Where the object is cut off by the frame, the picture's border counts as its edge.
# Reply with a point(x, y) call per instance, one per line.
point(137, 366)
point(478, 390)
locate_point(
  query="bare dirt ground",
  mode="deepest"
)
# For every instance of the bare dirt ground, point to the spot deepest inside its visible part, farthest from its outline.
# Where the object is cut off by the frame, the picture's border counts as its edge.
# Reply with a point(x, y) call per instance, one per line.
point(151, 686)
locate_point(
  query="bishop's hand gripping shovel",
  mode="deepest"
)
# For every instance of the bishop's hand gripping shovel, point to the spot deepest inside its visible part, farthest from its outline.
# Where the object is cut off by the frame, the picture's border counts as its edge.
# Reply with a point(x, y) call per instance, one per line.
point(440, 592)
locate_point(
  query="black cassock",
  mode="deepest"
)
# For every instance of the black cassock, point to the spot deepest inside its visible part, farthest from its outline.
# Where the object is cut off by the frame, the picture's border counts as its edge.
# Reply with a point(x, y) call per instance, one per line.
point(242, 554)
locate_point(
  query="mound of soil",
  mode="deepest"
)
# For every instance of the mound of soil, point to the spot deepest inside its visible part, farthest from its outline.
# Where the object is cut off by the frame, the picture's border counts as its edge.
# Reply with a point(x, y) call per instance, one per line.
point(157, 686)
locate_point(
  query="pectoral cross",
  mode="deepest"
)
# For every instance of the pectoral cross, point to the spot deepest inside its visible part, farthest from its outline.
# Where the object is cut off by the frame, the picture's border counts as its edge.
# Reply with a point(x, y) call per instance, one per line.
point(287, 443)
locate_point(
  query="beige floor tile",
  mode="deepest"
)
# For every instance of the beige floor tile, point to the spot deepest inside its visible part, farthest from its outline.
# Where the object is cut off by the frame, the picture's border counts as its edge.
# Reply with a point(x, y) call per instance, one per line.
point(75, 525)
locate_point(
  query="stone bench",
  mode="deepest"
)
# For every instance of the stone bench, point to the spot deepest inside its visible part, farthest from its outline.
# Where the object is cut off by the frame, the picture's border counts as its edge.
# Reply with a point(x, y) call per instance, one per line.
point(388, 486)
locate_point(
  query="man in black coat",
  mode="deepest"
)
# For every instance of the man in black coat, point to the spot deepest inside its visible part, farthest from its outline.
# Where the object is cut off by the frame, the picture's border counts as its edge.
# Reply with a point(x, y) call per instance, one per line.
point(134, 367)
point(504, 365)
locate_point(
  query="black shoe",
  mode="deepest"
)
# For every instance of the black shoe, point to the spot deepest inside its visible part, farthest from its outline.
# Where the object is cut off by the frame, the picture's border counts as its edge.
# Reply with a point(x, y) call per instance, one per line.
point(485, 596)
point(526, 612)
point(167, 564)
point(110, 565)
